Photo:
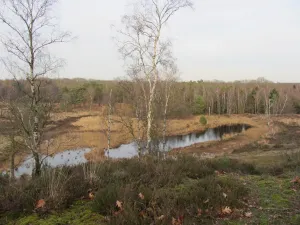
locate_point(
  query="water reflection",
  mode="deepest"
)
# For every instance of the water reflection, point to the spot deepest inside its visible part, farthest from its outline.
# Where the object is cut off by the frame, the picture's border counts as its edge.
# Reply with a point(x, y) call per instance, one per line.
point(75, 157)
point(181, 141)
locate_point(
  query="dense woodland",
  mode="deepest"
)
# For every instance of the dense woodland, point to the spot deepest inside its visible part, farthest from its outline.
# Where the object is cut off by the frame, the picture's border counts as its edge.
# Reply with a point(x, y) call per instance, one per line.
point(187, 98)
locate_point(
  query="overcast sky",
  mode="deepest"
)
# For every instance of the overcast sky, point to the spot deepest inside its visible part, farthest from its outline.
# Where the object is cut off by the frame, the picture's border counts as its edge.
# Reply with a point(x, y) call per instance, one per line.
point(220, 39)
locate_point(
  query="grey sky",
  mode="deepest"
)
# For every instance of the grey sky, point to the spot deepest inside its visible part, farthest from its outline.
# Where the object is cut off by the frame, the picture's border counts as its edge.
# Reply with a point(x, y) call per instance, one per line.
point(220, 39)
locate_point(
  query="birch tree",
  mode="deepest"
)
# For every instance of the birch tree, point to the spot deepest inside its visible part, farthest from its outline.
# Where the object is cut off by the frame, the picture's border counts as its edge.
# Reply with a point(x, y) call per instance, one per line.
point(144, 48)
point(109, 123)
point(168, 82)
point(133, 120)
point(31, 31)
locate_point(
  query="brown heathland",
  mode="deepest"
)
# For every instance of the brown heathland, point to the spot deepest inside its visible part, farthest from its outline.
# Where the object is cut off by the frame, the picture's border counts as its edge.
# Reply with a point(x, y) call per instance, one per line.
point(85, 129)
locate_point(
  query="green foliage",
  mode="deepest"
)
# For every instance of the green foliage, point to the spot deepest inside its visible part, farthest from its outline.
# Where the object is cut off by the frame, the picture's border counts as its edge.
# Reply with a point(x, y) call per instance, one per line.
point(199, 106)
point(203, 121)
point(274, 95)
point(105, 199)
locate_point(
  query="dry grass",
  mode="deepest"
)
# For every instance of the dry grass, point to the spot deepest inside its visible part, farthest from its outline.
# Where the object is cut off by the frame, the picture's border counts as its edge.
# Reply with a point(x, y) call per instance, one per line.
point(88, 131)
point(82, 129)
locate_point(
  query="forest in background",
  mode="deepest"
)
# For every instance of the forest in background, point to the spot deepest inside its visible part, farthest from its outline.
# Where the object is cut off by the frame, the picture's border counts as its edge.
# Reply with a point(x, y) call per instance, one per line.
point(188, 98)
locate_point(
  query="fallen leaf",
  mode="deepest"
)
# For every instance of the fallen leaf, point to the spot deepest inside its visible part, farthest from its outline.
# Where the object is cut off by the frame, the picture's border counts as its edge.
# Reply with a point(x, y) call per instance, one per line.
point(40, 204)
point(119, 204)
point(91, 195)
point(206, 201)
point(199, 212)
point(141, 196)
point(178, 221)
point(161, 217)
point(248, 214)
point(143, 214)
point(226, 210)
point(225, 195)
point(296, 180)
point(174, 221)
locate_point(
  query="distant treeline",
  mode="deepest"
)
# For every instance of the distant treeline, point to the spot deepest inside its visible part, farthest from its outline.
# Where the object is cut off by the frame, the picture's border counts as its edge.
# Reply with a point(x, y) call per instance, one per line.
point(194, 97)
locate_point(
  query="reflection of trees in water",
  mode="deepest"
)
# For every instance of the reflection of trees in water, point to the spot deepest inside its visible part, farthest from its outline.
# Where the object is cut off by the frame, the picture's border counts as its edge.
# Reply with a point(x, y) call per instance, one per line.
point(210, 134)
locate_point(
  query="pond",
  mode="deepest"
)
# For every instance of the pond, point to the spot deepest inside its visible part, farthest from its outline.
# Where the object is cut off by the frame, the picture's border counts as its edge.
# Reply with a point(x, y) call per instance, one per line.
point(66, 158)
point(76, 157)
point(181, 141)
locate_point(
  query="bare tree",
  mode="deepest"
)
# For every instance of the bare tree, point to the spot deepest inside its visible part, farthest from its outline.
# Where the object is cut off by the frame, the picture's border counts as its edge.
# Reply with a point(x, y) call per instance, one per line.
point(133, 120)
point(91, 95)
point(109, 122)
point(169, 78)
point(32, 29)
point(143, 47)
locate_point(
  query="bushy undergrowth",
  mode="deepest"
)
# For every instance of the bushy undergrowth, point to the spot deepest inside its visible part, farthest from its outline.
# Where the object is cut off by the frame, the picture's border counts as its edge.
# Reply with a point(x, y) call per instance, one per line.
point(149, 190)
point(59, 187)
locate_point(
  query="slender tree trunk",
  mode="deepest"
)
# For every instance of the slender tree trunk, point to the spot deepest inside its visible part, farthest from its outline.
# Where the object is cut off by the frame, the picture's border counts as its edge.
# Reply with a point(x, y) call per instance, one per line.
point(12, 166)
point(139, 139)
point(149, 121)
point(34, 105)
point(152, 89)
point(109, 122)
point(91, 103)
point(285, 101)
point(38, 166)
point(165, 118)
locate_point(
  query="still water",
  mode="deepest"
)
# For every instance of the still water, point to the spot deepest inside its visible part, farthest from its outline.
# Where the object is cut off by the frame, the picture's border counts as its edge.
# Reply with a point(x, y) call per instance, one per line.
point(75, 157)
point(66, 158)
point(181, 141)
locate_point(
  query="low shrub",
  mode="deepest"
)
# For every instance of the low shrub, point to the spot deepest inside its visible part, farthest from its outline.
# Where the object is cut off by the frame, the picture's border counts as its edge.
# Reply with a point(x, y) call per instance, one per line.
point(58, 187)
point(233, 165)
point(203, 121)
point(149, 190)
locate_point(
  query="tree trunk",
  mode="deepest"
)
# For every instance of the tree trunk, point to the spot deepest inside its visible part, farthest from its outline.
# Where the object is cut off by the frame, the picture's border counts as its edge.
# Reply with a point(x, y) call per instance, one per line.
point(165, 118)
point(12, 166)
point(91, 103)
point(109, 123)
point(149, 122)
point(38, 166)
point(152, 92)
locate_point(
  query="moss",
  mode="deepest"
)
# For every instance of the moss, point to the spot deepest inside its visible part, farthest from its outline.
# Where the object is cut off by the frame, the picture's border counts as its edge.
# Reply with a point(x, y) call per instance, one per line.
point(264, 220)
point(273, 192)
point(295, 219)
point(279, 200)
point(29, 220)
point(78, 214)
